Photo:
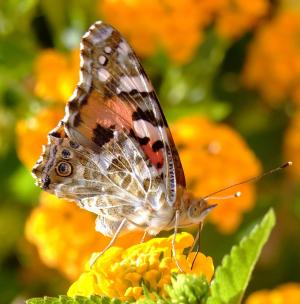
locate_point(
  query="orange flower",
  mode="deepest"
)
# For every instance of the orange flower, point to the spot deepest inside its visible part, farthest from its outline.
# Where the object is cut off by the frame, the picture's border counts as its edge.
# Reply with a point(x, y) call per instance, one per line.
point(32, 134)
point(273, 62)
point(56, 75)
point(286, 293)
point(212, 158)
point(235, 17)
point(176, 26)
point(65, 235)
point(292, 145)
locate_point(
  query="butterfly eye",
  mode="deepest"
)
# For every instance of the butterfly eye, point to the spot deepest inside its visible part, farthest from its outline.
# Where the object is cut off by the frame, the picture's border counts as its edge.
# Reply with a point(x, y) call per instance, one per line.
point(66, 154)
point(64, 169)
point(194, 211)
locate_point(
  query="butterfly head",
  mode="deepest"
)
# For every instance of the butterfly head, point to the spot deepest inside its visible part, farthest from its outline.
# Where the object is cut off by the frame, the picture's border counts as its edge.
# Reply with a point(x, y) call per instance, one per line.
point(198, 210)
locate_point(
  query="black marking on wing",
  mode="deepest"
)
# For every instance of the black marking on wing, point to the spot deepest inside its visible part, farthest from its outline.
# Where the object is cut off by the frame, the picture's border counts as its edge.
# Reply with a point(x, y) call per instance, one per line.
point(77, 120)
point(46, 182)
point(55, 134)
point(102, 135)
point(147, 115)
point(159, 165)
point(137, 94)
point(143, 141)
point(157, 145)
point(73, 144)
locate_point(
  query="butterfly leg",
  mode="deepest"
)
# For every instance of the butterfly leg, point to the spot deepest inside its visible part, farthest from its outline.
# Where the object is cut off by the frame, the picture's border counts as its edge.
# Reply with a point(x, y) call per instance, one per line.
point(144, 237)
point(197, 239)
point(112, 241)
point(177, 214)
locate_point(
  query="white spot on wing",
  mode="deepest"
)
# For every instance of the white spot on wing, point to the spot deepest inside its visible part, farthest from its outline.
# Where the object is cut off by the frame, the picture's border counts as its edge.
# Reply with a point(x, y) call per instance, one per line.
point(102, 59)
point(140, 83)
point(124, 48)
point(101, 34)
point(107, 49)
point(103, 75)
point(144, 128)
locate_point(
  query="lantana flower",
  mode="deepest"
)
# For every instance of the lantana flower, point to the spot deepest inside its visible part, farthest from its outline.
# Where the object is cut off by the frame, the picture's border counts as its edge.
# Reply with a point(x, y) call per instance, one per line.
point(272, 65)
point(65, 235)
point(121, 273)
point(178, 26)
point(283, 294)
point(56, 75)
point(292, 145)
point(32, 133)
point(235, 17)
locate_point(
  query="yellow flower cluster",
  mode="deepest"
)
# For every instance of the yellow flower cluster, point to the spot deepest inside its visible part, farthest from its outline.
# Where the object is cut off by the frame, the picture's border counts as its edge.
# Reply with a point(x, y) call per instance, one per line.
point(273, 63)
point(32, 133)
point(212, 156)
point(283, 294)
point(65, 235)
point(292, 145)
point(56, 75)
point(177, 25)
point(120, 273)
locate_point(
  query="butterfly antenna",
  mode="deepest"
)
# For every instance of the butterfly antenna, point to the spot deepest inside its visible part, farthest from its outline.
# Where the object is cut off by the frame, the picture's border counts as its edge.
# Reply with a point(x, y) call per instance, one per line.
point(249, 180)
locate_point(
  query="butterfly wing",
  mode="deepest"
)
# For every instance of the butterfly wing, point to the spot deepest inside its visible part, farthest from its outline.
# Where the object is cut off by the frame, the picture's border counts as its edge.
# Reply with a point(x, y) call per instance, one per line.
point(114, 96)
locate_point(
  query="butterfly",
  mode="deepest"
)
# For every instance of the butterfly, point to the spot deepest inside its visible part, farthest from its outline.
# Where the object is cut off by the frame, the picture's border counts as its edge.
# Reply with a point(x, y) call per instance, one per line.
point(113, 153)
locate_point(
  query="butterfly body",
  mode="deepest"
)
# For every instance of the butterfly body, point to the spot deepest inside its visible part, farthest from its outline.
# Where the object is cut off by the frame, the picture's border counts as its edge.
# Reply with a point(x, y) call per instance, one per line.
point(113, 153)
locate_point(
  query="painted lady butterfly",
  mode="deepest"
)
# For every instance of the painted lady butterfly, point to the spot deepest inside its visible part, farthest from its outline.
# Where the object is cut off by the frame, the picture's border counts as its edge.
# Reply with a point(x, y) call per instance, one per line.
point(113, 152)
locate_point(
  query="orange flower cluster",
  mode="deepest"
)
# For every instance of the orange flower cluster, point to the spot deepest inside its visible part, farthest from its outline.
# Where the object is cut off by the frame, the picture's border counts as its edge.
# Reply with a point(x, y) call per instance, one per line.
point(65, 235)
point(292, 145)
point(273, 63)
point(177, 25)
point(212, 156)
point(286, 293)
point(56, 75)
point(235, 17)
point(32, 134)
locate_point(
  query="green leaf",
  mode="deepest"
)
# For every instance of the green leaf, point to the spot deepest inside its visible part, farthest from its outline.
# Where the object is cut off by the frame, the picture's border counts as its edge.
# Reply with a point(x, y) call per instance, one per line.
point(232, 277)
point(187, 288)
point(75, 300)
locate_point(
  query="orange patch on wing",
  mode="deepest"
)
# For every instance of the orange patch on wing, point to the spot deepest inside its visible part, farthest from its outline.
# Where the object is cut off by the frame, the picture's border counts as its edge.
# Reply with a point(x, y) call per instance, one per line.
point(114, 112)
point(156, 158)
point(106, 112)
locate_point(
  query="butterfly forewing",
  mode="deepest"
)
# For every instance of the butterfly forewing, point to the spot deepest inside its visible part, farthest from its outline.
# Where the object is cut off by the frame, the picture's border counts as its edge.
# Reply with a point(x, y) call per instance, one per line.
point(115, 96)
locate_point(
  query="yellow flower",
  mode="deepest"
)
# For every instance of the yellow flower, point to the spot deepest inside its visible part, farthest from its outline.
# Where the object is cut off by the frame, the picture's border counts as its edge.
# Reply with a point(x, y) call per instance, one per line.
point(235, 17)
point(32, 134)
point(56, 75)
point(273, 63)
point(174, 25)
point(120, 273)
point(283, 294)
point(65, 235)
point(292, 145)
point(212, 158)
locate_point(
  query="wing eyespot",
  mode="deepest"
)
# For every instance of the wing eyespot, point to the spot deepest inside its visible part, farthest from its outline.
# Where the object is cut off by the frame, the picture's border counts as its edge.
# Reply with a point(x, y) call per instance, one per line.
point(64, 169)
point(66, 154)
